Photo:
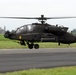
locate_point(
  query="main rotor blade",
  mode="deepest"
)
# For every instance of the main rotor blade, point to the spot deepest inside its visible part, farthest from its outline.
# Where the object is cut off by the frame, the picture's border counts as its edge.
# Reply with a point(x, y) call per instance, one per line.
point(18, 17)
point(39, 18)
point(61, 17)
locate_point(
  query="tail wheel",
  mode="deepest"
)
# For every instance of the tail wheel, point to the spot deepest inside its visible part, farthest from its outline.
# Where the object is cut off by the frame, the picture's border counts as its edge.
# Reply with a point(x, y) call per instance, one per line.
point(30, 46)
point(36, 46)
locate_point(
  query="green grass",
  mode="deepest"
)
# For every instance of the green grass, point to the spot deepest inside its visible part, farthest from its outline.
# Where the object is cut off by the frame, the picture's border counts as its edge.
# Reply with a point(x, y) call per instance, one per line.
point(10, 45)
point(3, 39)
point(55, 45)
point(52, 71)
point(13, 44)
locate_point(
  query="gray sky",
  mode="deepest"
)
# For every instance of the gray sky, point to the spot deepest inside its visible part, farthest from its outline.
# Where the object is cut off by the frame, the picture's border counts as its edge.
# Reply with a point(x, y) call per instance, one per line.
point(35, 8)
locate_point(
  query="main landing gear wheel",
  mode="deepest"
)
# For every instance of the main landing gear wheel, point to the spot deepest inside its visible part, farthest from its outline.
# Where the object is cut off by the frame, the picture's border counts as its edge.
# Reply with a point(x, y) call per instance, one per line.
point(30, 46)
point(36, 46)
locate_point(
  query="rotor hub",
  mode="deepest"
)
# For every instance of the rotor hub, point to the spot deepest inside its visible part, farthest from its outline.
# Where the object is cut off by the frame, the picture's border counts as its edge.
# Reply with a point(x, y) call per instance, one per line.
point(42, 19)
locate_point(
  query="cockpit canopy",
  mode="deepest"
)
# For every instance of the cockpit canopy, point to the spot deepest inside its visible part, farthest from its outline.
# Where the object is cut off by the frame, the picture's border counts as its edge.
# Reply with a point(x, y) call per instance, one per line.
point(25, 28)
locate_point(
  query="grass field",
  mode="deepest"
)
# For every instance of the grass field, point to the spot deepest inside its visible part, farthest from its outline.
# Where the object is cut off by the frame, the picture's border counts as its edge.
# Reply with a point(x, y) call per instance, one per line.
point(52, 71)
point(13, 44)
point(7, 43)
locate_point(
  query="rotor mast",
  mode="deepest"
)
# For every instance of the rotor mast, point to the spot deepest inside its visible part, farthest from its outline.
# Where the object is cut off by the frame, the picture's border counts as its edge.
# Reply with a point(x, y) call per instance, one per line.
point(42, 19)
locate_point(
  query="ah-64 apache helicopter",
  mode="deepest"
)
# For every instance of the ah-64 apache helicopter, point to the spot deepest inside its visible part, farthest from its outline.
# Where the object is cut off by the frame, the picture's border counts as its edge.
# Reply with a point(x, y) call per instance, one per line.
point(40, 32)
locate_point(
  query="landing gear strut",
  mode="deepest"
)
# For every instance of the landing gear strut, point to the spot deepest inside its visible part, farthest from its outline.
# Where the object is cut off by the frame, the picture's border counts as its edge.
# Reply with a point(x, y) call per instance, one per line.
point(59, 43)
point(22, 42)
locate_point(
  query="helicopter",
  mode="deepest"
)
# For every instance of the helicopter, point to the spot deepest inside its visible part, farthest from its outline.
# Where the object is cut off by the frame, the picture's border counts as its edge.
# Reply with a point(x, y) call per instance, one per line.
point(30, 34)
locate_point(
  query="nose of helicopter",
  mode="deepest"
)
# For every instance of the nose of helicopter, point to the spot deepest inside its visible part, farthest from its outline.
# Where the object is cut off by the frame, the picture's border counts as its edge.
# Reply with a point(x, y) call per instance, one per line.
point(7, 34)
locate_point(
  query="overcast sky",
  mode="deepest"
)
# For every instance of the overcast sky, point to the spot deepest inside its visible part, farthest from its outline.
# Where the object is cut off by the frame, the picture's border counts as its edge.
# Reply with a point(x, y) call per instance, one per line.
point(35, 8)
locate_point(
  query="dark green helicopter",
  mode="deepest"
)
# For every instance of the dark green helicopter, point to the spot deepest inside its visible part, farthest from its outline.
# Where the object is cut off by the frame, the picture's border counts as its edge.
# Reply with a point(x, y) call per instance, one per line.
point(40, 32)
